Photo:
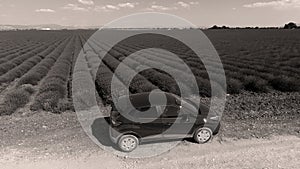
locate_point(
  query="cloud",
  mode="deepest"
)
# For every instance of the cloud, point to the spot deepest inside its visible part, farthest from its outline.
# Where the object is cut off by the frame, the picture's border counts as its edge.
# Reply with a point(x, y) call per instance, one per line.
point(183, 4)
point(112, 7)
point(194, 3)
point(45, 10)
point(86, 2)
point(109, 7)
point(128, 5)
point(175, 6)
point(278, 4)
point(74, 7)
point(161, 8)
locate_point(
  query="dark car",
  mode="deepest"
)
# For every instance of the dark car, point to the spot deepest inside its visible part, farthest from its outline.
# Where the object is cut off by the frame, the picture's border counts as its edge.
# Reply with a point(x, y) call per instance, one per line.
point(177, 118)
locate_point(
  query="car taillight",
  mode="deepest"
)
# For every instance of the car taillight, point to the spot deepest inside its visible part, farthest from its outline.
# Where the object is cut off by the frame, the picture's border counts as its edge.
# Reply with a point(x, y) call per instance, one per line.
point(215, 118)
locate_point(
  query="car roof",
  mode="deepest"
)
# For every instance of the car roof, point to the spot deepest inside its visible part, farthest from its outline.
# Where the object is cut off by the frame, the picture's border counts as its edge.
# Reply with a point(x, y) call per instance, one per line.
point(140, 100)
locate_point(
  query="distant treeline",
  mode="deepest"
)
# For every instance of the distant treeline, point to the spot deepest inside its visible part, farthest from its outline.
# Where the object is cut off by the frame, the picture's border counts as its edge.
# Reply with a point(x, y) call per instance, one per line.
point(290, 25)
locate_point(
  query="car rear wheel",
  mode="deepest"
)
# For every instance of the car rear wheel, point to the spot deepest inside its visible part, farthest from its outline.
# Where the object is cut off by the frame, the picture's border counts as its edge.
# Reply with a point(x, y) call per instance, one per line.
point(203, 135)
point(128, 143)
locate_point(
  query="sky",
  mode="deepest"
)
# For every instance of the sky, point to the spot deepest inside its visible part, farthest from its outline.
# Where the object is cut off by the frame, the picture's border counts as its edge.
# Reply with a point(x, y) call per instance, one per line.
point(203, 13)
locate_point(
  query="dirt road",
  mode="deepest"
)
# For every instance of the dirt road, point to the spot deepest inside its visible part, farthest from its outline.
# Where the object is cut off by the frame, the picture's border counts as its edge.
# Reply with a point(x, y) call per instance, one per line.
point(275, 152)
point(56, 141)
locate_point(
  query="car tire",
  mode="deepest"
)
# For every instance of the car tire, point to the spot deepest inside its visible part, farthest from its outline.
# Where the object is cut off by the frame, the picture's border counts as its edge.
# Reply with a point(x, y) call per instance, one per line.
point(128, 143)
point(203, 135)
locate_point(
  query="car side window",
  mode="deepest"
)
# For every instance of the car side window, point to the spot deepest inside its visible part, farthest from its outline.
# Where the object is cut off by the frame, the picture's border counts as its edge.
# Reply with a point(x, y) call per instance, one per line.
point(145, 112)
point(171, 112)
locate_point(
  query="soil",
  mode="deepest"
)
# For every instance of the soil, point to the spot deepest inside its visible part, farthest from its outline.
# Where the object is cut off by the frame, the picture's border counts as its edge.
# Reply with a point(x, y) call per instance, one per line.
point(44, 140)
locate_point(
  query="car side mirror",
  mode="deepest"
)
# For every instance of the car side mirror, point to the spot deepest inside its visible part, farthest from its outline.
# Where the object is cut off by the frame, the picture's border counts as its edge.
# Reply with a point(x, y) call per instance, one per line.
point(115, 113)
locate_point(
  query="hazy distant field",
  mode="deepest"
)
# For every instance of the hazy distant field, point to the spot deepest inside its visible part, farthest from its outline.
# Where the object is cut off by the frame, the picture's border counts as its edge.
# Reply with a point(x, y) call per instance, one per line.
point(36, 67)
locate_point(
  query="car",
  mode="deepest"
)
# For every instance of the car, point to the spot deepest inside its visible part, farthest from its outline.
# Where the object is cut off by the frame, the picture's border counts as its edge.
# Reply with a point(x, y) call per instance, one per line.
point(177, 118)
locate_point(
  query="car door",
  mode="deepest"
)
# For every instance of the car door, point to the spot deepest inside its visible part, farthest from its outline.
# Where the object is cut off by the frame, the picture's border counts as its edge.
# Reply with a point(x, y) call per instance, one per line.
point(176, 125)
point(148, 125)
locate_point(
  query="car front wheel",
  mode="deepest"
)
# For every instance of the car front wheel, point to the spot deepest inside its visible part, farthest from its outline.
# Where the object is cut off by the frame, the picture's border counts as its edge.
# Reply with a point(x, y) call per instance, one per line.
point(203, 135)
point(128, 143)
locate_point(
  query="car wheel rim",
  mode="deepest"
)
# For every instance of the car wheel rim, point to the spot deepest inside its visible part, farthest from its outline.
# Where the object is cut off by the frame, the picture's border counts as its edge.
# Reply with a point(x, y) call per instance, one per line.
point(128, 144)
point(203, 135)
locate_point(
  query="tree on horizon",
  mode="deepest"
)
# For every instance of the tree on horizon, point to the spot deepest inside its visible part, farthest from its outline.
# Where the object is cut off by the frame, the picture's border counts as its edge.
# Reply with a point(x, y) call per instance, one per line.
point(291, 25)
